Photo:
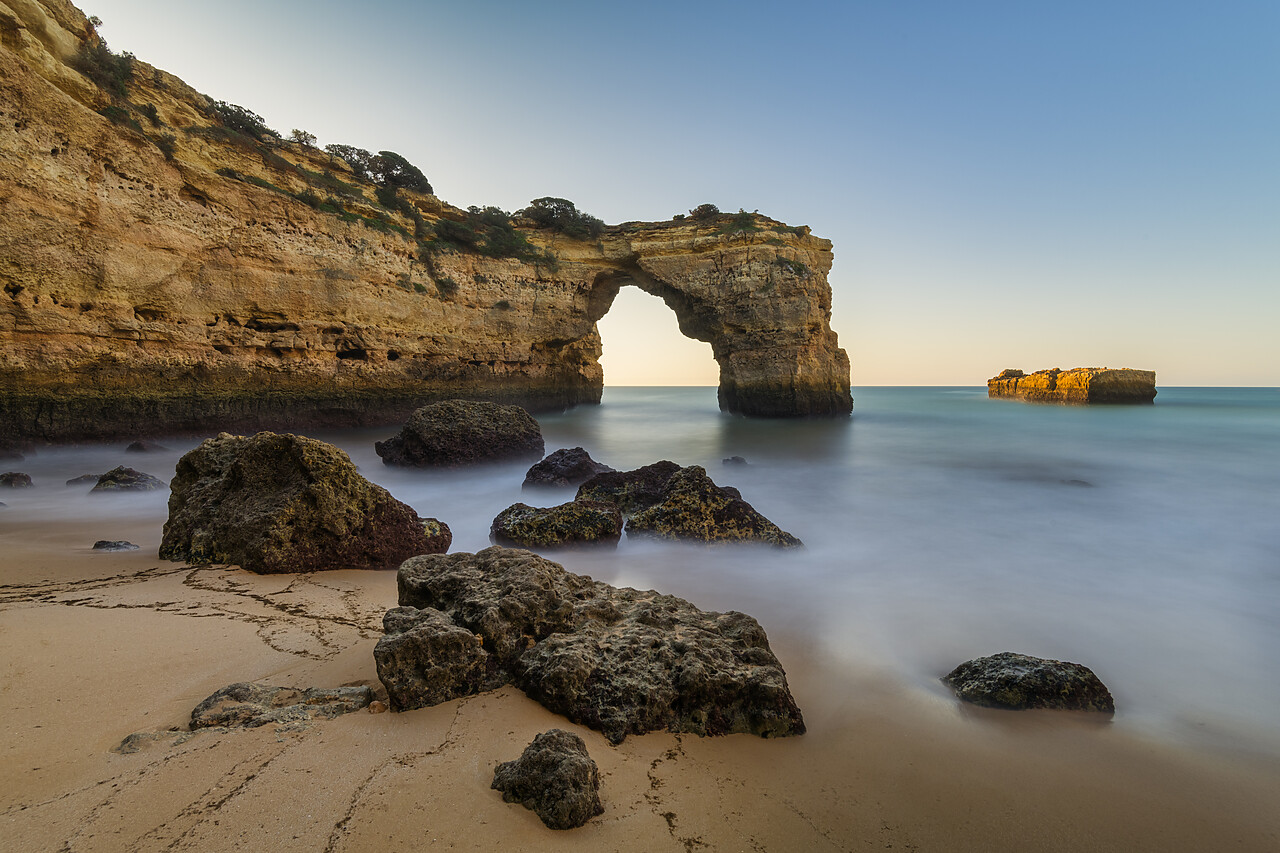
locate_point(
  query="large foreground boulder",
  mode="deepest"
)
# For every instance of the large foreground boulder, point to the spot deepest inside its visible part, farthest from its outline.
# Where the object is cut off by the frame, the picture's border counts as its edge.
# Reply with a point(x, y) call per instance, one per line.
point(463, 432)
point(622, 661)
point(571, 466)
point(284, 503)
point(568, 525)
point(555, 778)
point(1019, 682)
point(694, 507)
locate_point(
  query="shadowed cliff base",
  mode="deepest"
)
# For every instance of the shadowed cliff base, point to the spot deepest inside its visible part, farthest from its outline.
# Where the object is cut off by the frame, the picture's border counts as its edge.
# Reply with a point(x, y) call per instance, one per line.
point(168, 263)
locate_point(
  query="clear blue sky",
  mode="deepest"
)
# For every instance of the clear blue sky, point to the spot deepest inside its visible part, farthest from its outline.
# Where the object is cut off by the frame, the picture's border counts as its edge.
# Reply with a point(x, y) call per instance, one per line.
point(1007, 184)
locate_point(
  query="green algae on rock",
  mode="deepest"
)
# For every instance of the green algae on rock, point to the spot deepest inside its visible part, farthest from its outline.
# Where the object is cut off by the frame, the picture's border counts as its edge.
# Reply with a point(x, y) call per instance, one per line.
point(694, 507)
point(275, 503)
point(569, 524)
point(463, 432)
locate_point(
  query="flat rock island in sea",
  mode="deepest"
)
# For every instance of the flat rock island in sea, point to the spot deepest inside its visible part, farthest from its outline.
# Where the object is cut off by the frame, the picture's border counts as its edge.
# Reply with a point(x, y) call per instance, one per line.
point(1078, 385)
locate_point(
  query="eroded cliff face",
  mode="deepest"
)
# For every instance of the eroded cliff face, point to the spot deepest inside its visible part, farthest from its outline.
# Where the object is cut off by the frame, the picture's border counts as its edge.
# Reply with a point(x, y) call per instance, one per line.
point(161, 274)
point(1079, 385)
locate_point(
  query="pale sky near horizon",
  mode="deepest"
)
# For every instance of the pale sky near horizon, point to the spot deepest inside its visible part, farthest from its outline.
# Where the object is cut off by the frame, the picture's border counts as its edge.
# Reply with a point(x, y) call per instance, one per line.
point(1007, 184)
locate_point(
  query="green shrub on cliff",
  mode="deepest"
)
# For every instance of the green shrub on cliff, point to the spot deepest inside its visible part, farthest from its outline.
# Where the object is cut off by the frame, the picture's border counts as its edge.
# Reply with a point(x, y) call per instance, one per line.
point(562, 215)
point(704, 212)
point(392, 170)
point(109, 71)
point(241, 120)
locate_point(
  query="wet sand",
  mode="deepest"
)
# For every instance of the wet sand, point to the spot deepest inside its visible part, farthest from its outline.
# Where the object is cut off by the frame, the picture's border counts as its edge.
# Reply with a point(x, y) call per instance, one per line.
point(96, 646)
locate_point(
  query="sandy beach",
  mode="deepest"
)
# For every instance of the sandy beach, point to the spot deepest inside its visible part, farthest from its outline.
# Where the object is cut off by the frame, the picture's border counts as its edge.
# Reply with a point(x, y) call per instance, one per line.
point(97, 646)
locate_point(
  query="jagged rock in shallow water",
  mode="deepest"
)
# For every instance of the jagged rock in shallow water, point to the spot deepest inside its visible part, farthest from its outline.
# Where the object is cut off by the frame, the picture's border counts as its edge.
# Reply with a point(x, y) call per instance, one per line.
point(694, 507)
point(555, 778)
point(621, 661)
point(84, 480)
point(15, 480)
point(122, 479)
point(567, 525)
point(114, 545)
point(463, 432)
point(424, 659)
point(629, 491)
point(1078, 385)
point(564, 467)
point(284, 503)
point(1019, 682)
point(245, 705)
point(145, 447)
point(734, 460)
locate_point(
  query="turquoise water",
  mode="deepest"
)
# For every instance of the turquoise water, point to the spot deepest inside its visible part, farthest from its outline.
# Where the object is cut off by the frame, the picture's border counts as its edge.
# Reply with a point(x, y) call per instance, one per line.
point(939, 526)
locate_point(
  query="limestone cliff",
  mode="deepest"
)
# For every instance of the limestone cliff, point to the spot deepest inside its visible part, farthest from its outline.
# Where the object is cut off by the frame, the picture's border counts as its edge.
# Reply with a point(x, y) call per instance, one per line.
point(161, 271)
point(1078, 385)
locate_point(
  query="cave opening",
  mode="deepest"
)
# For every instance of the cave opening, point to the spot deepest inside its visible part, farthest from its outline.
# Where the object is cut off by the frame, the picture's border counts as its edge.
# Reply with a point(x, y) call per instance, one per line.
point(643, 345)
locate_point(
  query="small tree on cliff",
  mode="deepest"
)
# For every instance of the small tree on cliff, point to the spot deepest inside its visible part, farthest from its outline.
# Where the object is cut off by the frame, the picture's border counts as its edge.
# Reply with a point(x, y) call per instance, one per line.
point(392, 170)
point(560, 214)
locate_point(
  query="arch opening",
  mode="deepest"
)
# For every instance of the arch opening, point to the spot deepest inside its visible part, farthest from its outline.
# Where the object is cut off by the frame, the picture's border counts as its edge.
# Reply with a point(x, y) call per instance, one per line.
point(642, 344)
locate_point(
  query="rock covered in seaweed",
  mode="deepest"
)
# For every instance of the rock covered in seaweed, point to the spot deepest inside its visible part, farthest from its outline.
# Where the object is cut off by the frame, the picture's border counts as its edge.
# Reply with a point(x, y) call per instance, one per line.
point(1019, 682)
point(694, 507)
point(629, 491)
point(15, 480)
point(285, 503)
point(463, 432)
point(245, 705)
point(122, 479)
point(114, 545)
point(570, 466)
point(555, 778)
point(566, 525)
point(622, 661)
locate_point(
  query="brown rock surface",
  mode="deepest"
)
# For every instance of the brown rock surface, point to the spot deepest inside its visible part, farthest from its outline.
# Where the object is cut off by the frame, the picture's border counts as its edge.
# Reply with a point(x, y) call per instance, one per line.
point(197, 291)
point(1078, 385)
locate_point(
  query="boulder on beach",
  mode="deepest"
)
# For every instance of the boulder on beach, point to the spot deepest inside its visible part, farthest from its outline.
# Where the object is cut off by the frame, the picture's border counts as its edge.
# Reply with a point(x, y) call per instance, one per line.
point(694, 507)
point(463, 432)
point(424, 659)
point(570, 466)
point(285, 503)
point(15, 480)
point(566, 525)
point(245, 705)
point(622, 661)
point(122, 479)
point(629, 491)
point(555, 778)
point(1019, 682)
point(114, 545)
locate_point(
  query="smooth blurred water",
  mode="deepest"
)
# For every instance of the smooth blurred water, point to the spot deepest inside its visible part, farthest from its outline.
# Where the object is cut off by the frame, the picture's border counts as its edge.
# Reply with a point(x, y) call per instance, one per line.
point(939, 526)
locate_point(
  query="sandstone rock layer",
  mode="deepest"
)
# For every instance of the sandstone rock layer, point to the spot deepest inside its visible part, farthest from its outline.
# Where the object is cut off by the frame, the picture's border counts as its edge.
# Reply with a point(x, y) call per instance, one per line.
point(158, 270)
point(1078, 385)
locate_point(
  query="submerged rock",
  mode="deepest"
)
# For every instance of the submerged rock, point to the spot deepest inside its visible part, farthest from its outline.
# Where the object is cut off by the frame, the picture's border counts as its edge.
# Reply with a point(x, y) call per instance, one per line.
point(15, 480)
point(284, 503)
point(114, 545)
point(621, 661)
point(1019, 682)
point(733, 460)
point(463, 432)
point(122, 479)
point(564, 467)
point(245, 705)
point(143, 446)
point(629, 491)
point(84, 480)
point(694, 507)
point(566, 525)
point(555, 778)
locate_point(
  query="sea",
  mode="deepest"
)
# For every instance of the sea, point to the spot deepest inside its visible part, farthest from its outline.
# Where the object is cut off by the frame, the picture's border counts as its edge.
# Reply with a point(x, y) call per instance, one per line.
point(938, 526)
